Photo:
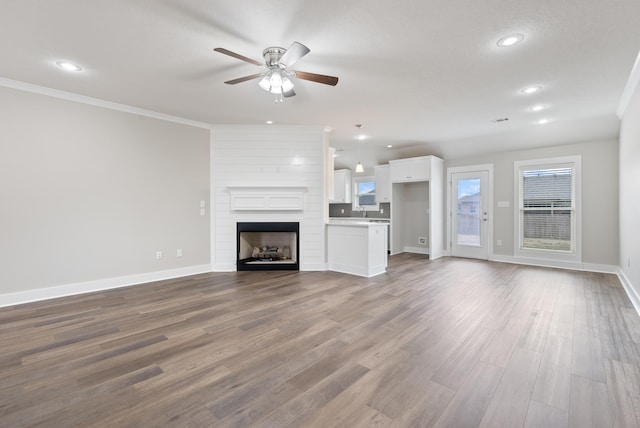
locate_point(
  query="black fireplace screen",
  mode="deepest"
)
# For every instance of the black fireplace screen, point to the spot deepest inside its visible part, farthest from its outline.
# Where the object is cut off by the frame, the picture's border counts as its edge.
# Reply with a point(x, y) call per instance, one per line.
point(268, 246)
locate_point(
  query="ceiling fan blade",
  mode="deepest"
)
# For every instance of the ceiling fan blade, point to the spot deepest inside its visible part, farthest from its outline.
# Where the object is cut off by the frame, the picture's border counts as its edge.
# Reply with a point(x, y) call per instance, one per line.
point(243, 79)
point(319, 78)
point(288, 94)
point(293, 54)
point(238, 56)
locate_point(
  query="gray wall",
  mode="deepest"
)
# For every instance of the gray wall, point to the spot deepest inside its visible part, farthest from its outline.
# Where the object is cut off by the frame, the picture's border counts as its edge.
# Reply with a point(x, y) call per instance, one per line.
point(630, 192)
point(90, 193)
point(600, 234)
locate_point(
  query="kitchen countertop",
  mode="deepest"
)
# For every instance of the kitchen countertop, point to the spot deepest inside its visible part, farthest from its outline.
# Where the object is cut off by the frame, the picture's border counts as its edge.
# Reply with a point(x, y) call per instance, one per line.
point(351, 220)
point(352, 223)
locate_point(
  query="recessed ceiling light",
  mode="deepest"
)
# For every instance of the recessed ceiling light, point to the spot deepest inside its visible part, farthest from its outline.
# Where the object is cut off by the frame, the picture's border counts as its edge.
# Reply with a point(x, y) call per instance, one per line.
point(530, 90)
point(389, 146)
point(510, 40)
point(269, 122)
point(537, 107)
point(542, 121)
point(68, 66)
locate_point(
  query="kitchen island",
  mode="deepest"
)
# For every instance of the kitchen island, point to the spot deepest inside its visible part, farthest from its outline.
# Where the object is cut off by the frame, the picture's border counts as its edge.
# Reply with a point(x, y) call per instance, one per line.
point(357, 247)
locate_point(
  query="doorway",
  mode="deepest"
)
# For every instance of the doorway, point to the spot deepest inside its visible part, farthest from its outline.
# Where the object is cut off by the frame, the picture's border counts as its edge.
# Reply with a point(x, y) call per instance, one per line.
point(470, 201)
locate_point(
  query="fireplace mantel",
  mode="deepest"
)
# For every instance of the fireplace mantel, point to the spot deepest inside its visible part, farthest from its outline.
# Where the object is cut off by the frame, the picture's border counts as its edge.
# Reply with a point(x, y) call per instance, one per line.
point(267, 198)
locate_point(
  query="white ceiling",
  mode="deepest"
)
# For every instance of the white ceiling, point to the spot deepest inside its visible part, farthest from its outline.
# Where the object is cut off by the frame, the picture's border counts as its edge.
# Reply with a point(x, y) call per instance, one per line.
point(424, 73)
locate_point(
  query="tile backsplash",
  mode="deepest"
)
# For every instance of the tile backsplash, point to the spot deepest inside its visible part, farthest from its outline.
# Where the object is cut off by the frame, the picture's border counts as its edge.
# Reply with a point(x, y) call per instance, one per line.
point(335, 210)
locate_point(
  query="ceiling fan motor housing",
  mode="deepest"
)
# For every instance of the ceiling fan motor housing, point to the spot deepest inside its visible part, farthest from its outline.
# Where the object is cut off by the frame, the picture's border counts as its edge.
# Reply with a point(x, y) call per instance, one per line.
point(272, 56)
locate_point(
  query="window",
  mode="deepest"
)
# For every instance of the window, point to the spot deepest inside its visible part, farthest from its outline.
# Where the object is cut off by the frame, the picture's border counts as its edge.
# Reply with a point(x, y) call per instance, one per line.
point(364, 194)
point(548, 215)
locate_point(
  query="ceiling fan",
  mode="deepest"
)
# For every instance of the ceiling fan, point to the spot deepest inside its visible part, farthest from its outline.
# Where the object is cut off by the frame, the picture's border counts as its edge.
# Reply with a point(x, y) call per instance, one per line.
point(277, 77)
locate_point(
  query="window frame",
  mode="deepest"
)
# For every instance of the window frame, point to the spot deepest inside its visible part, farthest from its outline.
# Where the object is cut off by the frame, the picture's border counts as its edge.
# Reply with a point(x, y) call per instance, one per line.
point(573, 162)
point(356, 200)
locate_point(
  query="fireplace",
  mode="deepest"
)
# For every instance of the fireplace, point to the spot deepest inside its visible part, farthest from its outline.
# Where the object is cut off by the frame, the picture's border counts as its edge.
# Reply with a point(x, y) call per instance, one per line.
point(268, 246)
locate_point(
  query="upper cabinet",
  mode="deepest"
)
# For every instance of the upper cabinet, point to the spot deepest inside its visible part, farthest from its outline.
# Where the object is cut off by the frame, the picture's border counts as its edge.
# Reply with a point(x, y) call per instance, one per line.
point(411, 169)
point(383, 183)
point(342, 186)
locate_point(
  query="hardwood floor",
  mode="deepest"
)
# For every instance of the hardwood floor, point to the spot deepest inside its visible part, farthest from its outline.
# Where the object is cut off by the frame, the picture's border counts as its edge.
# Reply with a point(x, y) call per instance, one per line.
point(445, 343)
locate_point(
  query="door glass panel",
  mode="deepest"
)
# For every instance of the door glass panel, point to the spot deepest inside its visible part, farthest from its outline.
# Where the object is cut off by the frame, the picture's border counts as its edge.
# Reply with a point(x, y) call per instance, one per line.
point(469, 215)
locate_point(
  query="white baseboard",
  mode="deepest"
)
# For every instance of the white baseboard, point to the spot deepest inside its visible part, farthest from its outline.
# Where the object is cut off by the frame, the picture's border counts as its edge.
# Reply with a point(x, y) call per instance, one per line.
point(27, 296)
point(415, 250)
point(589, 267)
point(631, 291)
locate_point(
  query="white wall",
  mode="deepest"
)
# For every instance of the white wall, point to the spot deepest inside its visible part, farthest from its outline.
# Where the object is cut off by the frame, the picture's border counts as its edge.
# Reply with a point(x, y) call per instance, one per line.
point(261, 156)
point(630, 193)
point(90, 194)
point(600, 224)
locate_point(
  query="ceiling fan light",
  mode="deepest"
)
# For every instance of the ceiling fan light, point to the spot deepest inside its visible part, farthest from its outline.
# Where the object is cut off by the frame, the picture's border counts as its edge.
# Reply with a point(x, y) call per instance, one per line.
point(287, 85)
point(264, 83)
point(276, 79)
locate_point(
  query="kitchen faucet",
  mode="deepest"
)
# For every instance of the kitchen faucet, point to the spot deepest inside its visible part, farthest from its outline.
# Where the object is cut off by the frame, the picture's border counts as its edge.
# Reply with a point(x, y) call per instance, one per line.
point(364, 212)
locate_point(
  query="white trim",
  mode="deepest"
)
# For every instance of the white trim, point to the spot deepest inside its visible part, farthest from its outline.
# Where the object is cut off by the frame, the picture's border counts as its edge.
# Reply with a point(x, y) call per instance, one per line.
point(631, 292)
point(630, 88)
point(355, 205)
point(273, 198)
point(490, 211)
point(415, 250)
point(530, 261)
point(224, 267)
point(552, 256)
point(27, 296)
point(70, 96)
point(313, 267)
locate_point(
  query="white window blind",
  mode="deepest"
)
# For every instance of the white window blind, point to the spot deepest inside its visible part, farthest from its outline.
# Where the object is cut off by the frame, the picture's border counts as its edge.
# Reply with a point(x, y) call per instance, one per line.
point(547, 206)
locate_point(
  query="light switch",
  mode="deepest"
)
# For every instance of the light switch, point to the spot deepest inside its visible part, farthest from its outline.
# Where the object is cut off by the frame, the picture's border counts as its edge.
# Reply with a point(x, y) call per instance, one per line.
point(203, 204)
point(503, 204)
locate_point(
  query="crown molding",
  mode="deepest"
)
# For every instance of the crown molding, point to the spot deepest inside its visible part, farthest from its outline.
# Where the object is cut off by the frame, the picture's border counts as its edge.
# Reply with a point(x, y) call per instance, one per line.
point(70, 96)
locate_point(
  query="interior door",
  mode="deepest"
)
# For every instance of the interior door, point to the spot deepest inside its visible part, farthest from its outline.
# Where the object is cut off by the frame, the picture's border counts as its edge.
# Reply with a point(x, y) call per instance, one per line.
point(470, 214)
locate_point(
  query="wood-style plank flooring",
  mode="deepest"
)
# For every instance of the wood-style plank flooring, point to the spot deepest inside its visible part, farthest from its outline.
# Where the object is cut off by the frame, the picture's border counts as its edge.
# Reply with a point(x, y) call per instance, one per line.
point(445, 343)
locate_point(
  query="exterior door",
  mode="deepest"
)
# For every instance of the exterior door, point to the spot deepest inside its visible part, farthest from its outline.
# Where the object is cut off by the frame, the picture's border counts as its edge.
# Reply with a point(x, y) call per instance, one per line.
point(470, 214)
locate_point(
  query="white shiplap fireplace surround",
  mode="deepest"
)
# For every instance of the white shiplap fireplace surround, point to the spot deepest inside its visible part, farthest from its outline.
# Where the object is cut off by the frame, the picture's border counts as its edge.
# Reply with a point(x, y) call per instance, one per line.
point(265, 162)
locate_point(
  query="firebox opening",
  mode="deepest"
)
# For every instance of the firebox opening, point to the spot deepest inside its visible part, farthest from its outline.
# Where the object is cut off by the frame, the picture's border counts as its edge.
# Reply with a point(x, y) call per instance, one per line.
point(268, 246)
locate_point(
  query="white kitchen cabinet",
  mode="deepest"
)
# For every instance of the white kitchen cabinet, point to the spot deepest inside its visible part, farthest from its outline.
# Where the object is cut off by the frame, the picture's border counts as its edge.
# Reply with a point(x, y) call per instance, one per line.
point(357, 248)
point(342, 186)
point(383, 184)
point(411, 169)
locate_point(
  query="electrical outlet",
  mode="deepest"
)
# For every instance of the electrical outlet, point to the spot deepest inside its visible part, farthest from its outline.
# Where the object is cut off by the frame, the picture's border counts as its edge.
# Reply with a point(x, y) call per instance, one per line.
point(179, 252)
point(158, 255)
point(341, 210)
point(422, 240)
point(499, 242)
point(381, 210)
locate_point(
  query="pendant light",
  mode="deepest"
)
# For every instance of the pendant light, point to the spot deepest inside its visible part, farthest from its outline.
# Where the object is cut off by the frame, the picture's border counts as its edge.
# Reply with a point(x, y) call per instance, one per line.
point(359, 166)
